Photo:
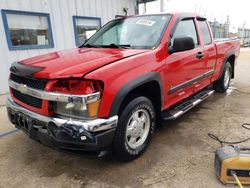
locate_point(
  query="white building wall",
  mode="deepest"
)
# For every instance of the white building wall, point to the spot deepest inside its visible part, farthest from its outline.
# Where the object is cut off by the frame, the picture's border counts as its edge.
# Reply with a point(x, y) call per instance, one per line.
point(61, 12)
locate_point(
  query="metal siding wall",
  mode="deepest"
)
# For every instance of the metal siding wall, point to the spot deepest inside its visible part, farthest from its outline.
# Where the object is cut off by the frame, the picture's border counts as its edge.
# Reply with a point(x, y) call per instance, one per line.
point(61, 12)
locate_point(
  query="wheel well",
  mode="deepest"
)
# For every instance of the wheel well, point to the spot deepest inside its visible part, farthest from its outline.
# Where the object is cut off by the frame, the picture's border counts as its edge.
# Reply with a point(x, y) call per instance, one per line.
point(150, 90)
point(231, 60)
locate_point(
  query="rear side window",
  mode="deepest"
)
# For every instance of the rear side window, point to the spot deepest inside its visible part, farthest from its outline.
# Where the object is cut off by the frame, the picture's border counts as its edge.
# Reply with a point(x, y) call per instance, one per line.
point(186, 28)
point(205, 32)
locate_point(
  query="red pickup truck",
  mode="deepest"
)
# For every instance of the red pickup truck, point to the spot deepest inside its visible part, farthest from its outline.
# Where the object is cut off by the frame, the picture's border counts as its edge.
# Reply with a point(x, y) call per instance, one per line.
point(110, 93)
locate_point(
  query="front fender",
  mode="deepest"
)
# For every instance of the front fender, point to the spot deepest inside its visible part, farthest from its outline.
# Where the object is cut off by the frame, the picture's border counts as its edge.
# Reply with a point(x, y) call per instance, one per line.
point(121, 77)
point(129, 86)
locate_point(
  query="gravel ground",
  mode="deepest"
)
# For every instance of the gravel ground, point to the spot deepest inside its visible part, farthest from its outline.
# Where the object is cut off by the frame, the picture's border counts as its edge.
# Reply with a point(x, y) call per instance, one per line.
point(180, 154)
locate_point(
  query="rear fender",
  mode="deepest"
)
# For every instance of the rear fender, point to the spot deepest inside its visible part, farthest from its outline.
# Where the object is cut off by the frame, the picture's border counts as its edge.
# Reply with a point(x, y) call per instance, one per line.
point(225, 61)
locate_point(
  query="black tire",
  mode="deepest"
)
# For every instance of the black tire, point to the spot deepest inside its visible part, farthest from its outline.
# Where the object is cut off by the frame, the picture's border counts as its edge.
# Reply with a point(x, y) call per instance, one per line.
point(121, 148)
point(222, 85)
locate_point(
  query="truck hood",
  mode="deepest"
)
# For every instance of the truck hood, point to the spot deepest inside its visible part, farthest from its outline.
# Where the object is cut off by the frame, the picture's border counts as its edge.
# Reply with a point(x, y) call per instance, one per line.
point(75, 62)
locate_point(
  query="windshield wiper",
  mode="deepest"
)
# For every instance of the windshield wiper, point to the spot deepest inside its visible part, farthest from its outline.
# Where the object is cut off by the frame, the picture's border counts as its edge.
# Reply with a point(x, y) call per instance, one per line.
point(90, 46)
point(112, 45)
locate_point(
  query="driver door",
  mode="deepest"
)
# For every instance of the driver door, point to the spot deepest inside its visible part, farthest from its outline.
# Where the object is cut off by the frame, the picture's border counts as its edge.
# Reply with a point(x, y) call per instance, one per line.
point(183, 68)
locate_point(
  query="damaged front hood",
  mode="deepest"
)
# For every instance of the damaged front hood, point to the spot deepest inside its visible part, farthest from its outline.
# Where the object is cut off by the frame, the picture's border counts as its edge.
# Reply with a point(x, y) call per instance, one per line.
point(71, 63)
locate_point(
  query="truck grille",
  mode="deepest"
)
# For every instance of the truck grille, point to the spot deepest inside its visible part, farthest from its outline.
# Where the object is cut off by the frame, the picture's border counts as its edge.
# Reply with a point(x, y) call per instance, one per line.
point(29, 100)
point(33, 83)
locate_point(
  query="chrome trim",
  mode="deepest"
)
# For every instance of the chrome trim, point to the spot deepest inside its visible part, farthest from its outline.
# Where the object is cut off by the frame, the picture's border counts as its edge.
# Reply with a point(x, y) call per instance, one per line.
point(53, 96)
point(87, 125)
point(175, 113)
point(178, 114)
point(189, 82)
point(195, 102)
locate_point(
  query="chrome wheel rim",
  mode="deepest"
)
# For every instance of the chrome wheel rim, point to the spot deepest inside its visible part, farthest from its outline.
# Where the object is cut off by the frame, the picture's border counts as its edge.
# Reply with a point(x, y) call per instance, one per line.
point(137, 129)
point(227, 78)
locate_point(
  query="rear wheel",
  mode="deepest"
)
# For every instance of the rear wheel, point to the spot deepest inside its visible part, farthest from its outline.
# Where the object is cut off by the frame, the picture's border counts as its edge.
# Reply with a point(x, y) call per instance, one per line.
point(223, 83)
point(135, 128)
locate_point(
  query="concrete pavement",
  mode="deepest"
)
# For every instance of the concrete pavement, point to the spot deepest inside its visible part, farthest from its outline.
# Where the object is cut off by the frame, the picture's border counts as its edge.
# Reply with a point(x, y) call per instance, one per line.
point(2, 99)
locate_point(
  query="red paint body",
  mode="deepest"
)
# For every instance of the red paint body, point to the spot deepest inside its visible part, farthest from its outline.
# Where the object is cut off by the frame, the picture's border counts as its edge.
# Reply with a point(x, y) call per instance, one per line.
point(116, 67)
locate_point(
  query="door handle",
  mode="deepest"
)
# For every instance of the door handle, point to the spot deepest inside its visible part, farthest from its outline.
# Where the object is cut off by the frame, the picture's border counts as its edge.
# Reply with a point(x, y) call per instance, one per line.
point(199, 55)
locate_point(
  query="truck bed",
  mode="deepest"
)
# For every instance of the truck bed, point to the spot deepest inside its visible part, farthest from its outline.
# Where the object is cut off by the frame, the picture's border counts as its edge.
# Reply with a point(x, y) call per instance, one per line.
point(224, 48)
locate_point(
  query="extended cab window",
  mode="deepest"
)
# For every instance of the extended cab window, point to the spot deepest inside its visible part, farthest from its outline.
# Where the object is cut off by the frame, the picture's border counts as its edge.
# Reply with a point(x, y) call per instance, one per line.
point(205, 32)
point(186, 28)
point(133, 32)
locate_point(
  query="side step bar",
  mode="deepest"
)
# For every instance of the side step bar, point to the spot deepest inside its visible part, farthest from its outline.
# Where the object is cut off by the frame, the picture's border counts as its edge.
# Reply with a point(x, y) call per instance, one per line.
point(181, 108)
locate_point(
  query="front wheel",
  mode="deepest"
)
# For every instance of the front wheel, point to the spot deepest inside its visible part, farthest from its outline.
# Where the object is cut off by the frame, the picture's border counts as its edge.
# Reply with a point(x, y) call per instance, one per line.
point(223, 83)
point(135, 128)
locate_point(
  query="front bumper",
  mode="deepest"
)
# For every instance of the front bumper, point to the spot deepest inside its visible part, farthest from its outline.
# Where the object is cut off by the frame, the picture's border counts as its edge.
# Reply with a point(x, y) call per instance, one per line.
point(65, 134)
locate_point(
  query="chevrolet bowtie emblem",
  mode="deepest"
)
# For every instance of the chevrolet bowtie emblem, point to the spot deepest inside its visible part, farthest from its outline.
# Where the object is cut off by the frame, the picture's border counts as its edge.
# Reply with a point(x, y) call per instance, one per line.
point(23, 89)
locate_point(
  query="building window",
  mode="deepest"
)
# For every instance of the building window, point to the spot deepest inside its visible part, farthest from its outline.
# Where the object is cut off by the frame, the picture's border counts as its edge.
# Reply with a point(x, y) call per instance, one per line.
point(27, 30)
point(85, 27)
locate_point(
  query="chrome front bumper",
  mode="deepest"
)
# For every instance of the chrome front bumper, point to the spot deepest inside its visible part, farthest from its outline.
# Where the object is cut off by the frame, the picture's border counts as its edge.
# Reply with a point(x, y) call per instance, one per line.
point(86, 125)
point(53, 96)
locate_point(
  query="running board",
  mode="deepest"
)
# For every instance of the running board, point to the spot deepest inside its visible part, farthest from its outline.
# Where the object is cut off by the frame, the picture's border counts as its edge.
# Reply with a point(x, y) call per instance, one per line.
point(181, 108)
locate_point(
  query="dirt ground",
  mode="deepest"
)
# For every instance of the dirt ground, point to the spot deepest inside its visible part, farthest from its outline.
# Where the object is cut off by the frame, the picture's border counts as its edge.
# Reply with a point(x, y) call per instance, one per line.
point(180, 154)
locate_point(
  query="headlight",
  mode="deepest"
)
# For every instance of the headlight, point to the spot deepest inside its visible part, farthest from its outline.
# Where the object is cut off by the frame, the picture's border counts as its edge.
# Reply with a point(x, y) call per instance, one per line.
point(86, 109)
point(77, 110)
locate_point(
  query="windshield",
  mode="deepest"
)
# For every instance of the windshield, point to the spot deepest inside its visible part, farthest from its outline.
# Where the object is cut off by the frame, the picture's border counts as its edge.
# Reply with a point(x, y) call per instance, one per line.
point(133, 32)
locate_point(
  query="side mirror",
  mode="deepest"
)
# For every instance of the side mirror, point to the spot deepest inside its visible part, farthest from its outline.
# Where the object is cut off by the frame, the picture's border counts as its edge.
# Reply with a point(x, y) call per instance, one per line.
point(181, 44)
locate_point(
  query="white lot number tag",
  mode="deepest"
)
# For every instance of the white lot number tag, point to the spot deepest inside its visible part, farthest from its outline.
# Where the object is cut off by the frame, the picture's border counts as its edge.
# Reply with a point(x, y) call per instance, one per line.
point(145, 22)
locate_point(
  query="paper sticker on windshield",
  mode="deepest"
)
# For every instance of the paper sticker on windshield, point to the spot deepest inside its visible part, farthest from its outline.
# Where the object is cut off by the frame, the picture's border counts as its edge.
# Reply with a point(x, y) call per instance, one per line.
point(145, 22)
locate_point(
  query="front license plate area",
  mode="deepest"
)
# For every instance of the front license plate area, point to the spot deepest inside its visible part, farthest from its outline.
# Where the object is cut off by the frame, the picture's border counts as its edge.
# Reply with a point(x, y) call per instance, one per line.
point(22, 122)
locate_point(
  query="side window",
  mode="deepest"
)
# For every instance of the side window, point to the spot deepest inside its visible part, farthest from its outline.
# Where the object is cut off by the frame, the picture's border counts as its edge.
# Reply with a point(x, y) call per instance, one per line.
point(186, 28)
point(205, 32)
